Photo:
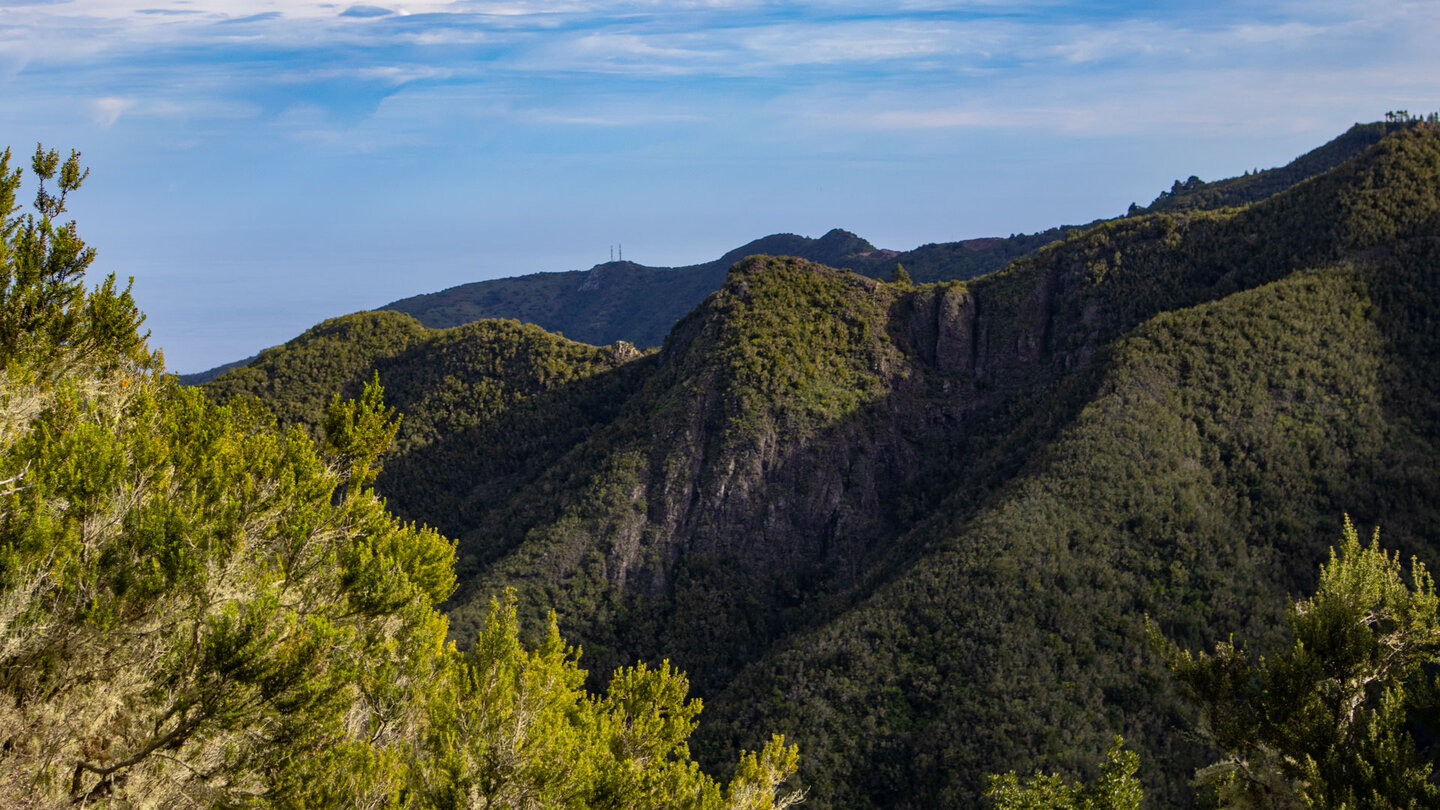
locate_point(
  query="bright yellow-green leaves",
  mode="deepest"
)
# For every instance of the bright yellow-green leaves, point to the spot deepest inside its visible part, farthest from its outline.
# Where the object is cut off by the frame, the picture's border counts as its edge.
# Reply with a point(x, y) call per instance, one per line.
point(1116, 789)
point(513, 727)
point(758, 773)
point(359, 431)
point(181, 586)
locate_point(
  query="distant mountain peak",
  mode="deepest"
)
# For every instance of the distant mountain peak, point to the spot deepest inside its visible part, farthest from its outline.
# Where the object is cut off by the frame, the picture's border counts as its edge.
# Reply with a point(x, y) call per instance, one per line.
point(600, 274)
point(843, 237)
point(835, 248)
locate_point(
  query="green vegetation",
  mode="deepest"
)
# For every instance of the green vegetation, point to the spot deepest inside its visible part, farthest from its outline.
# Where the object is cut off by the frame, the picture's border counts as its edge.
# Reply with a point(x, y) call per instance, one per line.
point(1195, 194)
point(200, 609)
point(1115, 789)
point(43, 302)
point(772, 364)
point(754, 376)
point(512, 727)
point(1171, 491)
point(1331, 721)
point(639, 304)
point(919, 529)
point(493, 401)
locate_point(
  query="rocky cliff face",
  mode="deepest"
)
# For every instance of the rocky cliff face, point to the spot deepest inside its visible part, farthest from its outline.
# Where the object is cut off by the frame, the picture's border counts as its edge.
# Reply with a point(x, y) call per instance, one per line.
point(792, 429)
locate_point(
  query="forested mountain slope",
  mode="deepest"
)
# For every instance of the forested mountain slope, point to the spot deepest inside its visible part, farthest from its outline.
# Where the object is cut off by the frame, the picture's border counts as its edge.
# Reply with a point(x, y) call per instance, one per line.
point(1254, 186)
point(1204, 462)
point(916, 528)
point(513, 396)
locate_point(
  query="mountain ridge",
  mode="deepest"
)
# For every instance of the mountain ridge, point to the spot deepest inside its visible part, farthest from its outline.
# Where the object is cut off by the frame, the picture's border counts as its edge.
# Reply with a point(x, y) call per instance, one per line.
point(915, 527)
point(638, 304)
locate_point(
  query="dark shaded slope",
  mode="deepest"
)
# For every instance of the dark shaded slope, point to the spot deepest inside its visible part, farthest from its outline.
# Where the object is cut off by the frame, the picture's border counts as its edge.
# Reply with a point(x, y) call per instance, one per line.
point(1197, 486)
point(696, 488)
point(1201, 484)
point(756, 482)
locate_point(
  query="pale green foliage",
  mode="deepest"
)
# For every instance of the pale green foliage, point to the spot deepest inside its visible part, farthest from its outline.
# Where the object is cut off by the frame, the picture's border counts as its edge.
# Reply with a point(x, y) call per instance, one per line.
point(197, 609)
point(47, 317)
point(758, 775)
point(189, 615)
point(1115, 789)
point(360, 431)
point(514, 728)
point(1325, 723)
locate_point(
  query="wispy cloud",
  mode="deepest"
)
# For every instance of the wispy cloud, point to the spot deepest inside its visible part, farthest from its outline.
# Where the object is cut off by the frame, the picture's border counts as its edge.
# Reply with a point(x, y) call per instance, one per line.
point(918, 65)
point(520, 45)
point(391, 75)
point(108, 110)
point(253, 18)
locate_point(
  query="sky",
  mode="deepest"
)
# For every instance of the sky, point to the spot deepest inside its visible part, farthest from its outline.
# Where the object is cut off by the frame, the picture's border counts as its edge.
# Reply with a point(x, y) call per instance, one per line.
point(258, 166)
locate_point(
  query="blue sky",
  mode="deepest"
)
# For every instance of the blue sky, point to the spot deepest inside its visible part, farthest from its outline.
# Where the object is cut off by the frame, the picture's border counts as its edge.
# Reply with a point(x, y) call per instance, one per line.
point(260, 165)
